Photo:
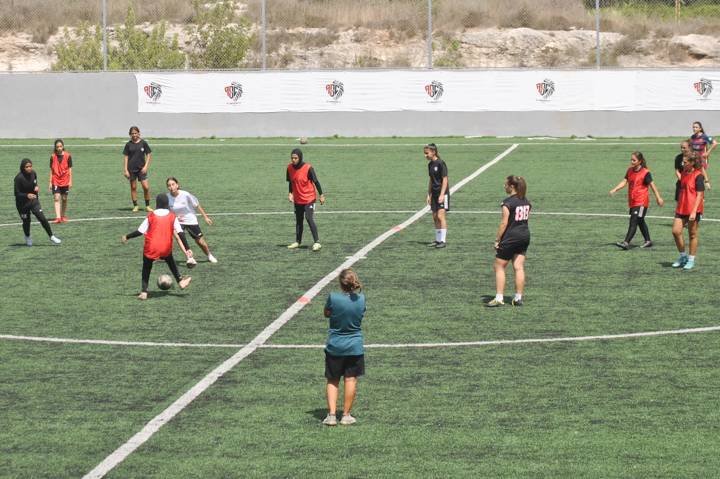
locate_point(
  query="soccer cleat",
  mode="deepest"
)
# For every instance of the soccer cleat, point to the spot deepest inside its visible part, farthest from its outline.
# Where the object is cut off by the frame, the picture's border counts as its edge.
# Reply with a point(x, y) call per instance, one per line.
point(57, 220)
point(28, 241)
point(347, 420)
point(142, 296)
point(494, 303)
point(316, 247)
point(433, 244)
point(441, 244)
point(294, 245)
point(647, 244)
point(680, 262)
point(135, 209)
point(184, 282)
point(55, 240)
point(517, 302)
point(212, 258)
point(622, 245)
point(330, 420)
point(689, 264)
point(191, 263)
point(148, 209)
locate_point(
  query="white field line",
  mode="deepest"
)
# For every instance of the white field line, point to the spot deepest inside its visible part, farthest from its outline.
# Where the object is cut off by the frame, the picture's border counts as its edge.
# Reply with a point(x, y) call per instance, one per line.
point(119, 455)
point(345, 145)
point(492, 342)
point(378, 212)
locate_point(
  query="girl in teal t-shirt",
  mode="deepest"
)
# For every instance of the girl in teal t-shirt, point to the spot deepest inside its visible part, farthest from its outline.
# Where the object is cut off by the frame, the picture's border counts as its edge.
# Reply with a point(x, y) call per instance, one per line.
point(344, 354)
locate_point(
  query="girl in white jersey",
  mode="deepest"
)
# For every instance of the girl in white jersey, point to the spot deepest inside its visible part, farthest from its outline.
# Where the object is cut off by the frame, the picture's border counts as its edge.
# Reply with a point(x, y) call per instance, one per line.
point(185, 205)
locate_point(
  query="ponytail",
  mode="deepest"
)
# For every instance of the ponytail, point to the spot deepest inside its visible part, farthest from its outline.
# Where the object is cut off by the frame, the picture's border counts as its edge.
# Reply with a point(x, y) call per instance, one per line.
point(349, 281)
point(519, 185)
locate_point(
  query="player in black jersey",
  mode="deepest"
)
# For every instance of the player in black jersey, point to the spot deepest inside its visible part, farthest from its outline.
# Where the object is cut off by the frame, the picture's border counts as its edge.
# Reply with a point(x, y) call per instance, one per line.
point(512, 239)
point(136, 156)
point(438, 196)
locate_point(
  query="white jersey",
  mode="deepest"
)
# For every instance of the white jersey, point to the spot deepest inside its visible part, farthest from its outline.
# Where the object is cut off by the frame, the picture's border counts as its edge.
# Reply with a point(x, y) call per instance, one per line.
point(183, 205)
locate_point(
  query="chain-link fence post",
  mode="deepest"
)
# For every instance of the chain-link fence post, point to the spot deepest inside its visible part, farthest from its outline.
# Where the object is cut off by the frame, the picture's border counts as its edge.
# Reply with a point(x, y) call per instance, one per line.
point(104, 35)
point(597, 34)
point(263, 35)
point(429, 36)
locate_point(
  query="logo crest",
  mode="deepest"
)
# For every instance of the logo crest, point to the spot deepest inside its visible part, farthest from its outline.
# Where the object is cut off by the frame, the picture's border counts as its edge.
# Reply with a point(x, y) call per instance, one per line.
point(546, 88)
point(704, 87)
point(153, 91)
point(335, 89)
point(435, 90)
point(234, 91)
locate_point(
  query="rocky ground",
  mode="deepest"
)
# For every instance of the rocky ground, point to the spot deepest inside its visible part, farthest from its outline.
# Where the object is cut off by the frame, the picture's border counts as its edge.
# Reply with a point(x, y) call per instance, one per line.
point(473, 48)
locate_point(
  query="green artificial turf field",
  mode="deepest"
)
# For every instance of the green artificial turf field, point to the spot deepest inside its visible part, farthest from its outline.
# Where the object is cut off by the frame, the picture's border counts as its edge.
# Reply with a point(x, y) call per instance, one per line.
point(521, 396)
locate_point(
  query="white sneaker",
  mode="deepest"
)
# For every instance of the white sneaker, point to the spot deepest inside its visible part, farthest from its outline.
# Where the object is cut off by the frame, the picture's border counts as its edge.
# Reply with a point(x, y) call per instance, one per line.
point(294, 245)
point(316, 247)
point(212, 258)
point(28, 241)
point(330, 420)
point(347, 420)
point(191, 263)
point(55, 240)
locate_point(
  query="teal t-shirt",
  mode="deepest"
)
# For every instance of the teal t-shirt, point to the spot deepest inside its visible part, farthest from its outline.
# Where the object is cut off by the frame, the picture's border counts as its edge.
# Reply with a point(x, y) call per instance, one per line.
point(346, 314)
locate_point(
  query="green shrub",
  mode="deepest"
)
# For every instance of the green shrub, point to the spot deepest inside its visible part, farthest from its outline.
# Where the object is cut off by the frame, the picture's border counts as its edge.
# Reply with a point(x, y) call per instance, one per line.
point(220, 39)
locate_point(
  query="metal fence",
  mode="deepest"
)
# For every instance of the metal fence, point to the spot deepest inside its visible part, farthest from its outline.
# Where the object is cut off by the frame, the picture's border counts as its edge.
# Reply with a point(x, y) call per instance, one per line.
point(348, 34)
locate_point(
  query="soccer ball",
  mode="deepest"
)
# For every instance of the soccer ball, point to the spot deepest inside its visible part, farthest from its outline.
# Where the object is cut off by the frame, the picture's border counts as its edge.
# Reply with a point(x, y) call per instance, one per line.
point(303, 140)
point(165, 281)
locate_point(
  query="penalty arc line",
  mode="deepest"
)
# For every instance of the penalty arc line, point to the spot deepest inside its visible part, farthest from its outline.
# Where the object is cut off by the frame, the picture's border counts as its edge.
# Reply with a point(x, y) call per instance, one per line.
point(119, 455)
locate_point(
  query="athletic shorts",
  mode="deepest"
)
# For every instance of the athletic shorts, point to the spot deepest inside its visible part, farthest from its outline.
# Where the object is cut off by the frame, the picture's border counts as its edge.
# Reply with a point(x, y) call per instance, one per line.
point(348, 366)
point(63, 190)
point(193, 231)
point(639, 211)
point(507, 251)
point(436, 204)
point(137, 175)
point(686, 218)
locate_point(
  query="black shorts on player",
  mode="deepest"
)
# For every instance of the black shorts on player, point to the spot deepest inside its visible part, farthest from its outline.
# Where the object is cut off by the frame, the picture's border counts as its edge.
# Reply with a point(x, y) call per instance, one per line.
point(686, 218)
point(62, 190)
point(507, 250)
point(639, 211)
point(193, 230)
point(137, 175)
point(348, 366)
point(436, 204)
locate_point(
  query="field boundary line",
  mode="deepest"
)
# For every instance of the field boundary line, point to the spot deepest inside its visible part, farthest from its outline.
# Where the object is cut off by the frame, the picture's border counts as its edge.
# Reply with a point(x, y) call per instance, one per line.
point(489, 342)
point(119, 455)
point(347, 145)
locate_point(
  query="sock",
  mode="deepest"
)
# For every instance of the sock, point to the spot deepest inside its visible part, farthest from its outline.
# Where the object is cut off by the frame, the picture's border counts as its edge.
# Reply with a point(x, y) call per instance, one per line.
point(437, 235)
point(443, 234)
point(691, 258)
point(684, 254)
point(134, 202)
point(518, 297)
point(147, 202)
point(499, 297)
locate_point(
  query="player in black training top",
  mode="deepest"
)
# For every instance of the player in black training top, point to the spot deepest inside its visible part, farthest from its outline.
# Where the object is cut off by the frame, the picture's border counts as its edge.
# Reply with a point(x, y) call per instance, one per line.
point(512, 239)
point(438, 196)
point(26, 201)
point(137, 155)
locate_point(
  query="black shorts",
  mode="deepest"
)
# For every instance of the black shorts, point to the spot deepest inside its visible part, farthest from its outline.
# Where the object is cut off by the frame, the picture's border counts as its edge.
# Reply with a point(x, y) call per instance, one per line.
point(639, 211)
point(193, 231)
point(137, 175)
point(436, 204)
point(348, 366)
point(686, 218)
point(507, 251)
point(63, 190)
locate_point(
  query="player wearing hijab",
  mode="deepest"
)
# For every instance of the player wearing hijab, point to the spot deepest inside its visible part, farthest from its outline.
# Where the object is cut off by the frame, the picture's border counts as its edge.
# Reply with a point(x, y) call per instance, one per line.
point(27, 201)
point(159, 228)
point(638, 179)
point(302, 186)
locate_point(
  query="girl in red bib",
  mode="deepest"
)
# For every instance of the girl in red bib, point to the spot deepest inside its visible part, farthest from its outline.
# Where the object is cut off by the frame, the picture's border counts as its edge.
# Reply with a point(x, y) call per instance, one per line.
point(159, 228)
point(638, 180)
point(302, 183)
point(60, 179)
point(689, 210)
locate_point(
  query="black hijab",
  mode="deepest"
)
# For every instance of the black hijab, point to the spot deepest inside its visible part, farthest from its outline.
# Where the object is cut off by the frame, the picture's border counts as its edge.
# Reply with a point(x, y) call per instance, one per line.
point(298, 152)
point(23, 163)
point(161, 201)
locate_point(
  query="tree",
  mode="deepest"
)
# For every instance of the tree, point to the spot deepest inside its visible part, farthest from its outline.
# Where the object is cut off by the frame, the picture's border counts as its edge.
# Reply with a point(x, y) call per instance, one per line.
point(220, 39)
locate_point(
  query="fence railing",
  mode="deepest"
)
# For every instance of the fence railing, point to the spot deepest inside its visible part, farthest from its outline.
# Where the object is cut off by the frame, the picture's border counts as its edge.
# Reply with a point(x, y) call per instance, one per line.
point(347, 34)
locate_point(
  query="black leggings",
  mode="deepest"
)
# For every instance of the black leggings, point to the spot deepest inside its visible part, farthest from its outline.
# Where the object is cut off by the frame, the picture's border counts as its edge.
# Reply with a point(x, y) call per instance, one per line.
point(147, 267)
point(306, 211)
point(34, 208)
point(637, 220)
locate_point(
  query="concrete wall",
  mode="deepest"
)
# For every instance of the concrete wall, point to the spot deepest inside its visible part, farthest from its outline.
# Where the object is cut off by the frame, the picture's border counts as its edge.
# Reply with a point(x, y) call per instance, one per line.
point(99, 105)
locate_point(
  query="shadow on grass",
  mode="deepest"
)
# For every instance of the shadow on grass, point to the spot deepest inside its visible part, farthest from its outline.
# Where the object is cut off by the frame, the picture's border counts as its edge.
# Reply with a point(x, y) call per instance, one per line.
point(318, 414)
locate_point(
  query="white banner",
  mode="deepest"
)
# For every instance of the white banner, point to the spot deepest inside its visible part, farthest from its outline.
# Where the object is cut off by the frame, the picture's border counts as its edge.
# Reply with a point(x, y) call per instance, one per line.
point(431, 90)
